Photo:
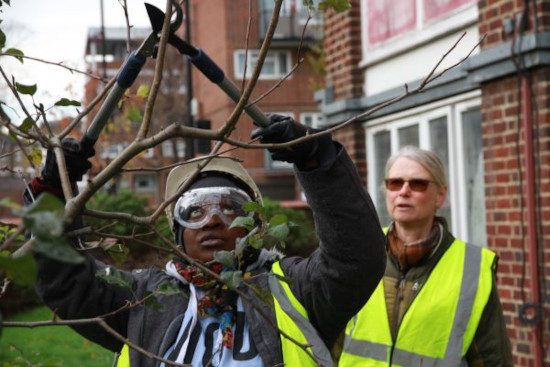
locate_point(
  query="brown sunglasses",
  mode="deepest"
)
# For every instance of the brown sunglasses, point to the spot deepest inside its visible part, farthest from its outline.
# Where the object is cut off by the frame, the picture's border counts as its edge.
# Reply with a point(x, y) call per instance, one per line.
point(416, 184)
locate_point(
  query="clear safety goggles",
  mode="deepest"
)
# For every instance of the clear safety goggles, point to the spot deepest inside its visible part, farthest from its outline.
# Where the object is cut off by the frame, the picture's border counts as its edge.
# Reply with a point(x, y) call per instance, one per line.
point(196, 207)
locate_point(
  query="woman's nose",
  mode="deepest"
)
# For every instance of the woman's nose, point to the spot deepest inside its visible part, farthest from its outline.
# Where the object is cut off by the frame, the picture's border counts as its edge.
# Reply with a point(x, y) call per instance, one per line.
point(405, 189)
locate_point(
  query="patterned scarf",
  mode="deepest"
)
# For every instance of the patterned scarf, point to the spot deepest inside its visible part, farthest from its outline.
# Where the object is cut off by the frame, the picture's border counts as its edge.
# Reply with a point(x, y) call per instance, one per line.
point(218, 300)
point(410, 254)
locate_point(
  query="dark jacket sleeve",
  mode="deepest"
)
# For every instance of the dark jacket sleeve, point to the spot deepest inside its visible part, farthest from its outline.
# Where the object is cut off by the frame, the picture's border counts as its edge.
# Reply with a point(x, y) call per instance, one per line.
point(491, 345)
point(74, 292)
point(339, 277)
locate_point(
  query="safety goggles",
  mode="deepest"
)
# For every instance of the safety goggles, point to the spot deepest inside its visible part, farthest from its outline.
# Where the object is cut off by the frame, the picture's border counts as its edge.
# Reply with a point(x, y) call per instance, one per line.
point(196, 207)
point(416, 184)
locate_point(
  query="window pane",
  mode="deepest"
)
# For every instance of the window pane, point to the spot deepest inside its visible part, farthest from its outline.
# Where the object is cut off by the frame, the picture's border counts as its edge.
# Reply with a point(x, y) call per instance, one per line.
point(474, 173)
point(382, 151)
point(240, 64)
point(408, 136)
point(268, 67)
point(439, 142)
point(283, 67)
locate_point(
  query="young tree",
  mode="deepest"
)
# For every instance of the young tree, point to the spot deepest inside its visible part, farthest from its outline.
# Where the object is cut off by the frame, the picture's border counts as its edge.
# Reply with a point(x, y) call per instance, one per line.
point(48, 218)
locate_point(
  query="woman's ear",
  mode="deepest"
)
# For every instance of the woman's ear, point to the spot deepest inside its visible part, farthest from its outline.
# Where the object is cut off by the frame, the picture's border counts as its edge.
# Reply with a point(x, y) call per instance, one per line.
point(441, 196)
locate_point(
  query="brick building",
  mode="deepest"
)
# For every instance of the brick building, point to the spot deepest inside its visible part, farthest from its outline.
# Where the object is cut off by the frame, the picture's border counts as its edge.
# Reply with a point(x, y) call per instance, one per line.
point(227, 43)
point(488, 119)
point(104, 56)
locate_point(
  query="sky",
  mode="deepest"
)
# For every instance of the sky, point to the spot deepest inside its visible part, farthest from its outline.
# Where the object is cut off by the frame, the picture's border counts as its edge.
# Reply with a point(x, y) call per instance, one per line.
point(55, 30)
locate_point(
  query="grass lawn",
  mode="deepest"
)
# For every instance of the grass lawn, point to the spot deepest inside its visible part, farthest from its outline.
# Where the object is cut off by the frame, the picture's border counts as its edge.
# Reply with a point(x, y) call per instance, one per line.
point(48, 346)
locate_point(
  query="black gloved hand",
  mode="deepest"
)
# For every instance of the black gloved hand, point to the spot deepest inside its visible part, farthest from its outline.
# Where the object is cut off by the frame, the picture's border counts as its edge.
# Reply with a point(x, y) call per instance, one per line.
point(307, 155)
point(77, 163)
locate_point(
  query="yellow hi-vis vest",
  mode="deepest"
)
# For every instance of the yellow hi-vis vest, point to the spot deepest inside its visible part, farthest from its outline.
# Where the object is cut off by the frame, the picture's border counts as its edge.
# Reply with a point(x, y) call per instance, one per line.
point(439, 325)
point(292, 321)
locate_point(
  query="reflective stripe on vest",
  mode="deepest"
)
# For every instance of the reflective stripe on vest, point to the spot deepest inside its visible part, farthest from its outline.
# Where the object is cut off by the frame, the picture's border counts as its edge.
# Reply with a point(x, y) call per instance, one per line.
point(292, 319)
point(124, 357)
point(429, 334)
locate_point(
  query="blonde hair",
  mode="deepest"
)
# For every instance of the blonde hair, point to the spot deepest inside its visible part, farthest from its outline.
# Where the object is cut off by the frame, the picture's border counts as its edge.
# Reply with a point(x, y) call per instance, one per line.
point(426, 158)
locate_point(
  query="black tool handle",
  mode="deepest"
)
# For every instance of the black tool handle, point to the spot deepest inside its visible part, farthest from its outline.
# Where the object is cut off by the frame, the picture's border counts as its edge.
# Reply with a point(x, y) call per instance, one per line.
point(126, 77)
point(216, 75)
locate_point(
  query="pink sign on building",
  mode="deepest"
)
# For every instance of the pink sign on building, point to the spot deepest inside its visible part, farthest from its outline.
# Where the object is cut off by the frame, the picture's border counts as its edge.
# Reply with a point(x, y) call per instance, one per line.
point(436, 8)
point(387, 19)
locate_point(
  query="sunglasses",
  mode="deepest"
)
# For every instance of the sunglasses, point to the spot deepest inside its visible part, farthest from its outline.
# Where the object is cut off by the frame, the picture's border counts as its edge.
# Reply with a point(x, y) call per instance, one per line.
point(416, 184)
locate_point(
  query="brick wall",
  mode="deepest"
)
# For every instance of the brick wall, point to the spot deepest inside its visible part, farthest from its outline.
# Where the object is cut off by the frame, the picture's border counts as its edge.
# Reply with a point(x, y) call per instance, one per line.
point(343, 52)
point(352, 137)
point(506, 183)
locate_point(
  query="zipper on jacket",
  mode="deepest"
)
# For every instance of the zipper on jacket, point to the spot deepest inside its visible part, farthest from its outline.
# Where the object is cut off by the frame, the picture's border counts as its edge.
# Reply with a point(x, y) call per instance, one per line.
point(400, 285)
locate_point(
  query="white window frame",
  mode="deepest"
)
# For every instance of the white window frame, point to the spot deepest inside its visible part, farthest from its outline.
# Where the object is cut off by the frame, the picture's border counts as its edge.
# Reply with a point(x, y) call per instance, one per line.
point(152, 183)
point(113, 150)
point(452, 109)
point(252, 58)
point(317, 119)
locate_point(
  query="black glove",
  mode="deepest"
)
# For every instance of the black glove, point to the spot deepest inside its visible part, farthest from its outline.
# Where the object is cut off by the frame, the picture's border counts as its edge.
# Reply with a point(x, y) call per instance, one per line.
point(77, 163)
point(307, 155)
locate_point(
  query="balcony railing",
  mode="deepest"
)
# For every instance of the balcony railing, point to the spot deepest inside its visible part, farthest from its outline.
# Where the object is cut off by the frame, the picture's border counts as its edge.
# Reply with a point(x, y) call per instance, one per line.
point(292, 20)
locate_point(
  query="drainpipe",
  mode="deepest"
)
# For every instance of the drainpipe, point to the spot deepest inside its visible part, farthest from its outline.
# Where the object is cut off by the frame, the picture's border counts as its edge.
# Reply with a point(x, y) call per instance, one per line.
point(527, 118)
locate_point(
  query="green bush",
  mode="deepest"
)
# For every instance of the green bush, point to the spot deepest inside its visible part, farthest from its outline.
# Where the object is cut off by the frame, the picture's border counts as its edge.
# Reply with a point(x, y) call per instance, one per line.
point(125, 201)
point(302, 238)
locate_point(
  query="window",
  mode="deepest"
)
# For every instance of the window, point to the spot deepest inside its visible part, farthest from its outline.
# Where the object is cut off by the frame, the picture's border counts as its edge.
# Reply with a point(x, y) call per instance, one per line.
point(312, 119)
point(452, 129)
point(276, 64)
point(145, 183)
point(168, 148)
point(112, 150)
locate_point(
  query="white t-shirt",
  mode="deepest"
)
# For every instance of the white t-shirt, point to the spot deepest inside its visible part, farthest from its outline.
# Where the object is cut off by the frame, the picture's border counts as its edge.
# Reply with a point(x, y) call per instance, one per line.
point(199, 341)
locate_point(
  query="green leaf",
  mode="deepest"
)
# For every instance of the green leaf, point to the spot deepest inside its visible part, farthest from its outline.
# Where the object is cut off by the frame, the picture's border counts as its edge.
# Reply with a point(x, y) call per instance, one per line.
point(67, 102)
point(25, 89)
point(280, 231)
point(152, 302)
point(22, 270)
point(2, 40)
point(278, 219)
point(36, 156)
point(254, 207)
point(232, 279)
point(257, 243)
point(118, 253)
point(239, 248)
point(44, 224)
point(58, 249)
point(245, 222)
point(44, 218)
point(18, 54)
point(113, 276)
point(337, 5)
point(26, 125)
point(143, 91)
point(134, 114)
point(10, 203)
point(46, 202)
point(168, 289)
point(226, 258)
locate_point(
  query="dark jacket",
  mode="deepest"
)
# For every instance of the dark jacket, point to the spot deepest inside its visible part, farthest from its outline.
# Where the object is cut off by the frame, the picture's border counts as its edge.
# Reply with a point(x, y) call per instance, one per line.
point(332, 284)
point(491, 346)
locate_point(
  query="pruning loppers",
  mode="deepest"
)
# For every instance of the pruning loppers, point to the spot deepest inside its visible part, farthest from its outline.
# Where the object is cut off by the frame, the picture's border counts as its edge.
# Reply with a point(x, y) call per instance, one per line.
point(133, 64)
